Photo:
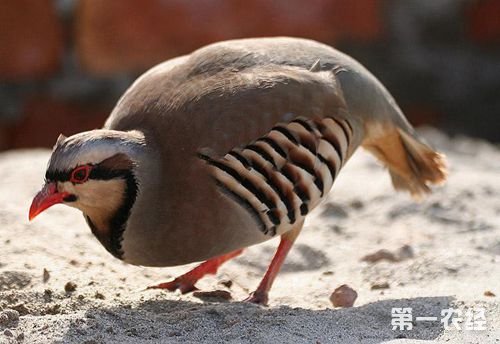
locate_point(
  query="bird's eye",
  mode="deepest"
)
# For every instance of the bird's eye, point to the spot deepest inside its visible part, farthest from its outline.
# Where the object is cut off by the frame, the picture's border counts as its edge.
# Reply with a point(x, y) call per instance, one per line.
point(80, 174)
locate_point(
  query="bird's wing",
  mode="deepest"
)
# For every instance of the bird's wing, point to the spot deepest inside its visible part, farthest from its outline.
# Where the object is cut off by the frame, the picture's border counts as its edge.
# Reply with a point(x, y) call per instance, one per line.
point(280, 177)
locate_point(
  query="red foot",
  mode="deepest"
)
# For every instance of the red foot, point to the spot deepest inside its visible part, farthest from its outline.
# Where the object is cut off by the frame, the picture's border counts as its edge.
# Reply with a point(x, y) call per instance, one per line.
point(186, 283)
point(259, 298)
point(183, 285)
point(260, 295)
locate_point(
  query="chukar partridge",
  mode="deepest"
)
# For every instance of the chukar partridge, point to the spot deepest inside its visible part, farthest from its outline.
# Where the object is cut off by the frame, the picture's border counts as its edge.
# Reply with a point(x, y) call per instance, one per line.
point(227, 147)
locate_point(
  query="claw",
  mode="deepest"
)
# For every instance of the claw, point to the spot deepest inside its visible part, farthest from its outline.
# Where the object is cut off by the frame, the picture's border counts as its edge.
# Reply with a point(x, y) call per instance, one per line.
point(186, 282)
point(178, 283)
point(258, 298)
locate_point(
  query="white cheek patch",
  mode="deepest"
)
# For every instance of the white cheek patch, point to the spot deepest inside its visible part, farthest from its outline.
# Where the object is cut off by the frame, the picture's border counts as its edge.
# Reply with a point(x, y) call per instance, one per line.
point(102, 196)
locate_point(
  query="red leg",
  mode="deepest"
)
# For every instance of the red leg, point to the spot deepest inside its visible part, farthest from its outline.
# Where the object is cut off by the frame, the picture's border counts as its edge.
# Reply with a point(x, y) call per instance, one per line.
point(185, 283)
point(261, 294)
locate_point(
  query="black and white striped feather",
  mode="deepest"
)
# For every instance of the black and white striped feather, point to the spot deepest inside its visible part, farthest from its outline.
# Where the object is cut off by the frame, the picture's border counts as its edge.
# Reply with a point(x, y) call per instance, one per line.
point(280, 177)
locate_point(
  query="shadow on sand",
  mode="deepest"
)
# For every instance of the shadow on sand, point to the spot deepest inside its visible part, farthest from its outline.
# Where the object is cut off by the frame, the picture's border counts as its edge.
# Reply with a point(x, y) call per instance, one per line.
point(162, 321)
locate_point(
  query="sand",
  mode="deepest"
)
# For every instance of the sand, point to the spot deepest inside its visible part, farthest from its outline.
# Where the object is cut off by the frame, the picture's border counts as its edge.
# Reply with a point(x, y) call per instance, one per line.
point(448, 250)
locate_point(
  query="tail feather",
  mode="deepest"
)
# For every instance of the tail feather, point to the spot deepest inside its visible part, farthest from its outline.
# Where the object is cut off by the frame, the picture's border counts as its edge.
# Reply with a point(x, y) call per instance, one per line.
point(412, 164)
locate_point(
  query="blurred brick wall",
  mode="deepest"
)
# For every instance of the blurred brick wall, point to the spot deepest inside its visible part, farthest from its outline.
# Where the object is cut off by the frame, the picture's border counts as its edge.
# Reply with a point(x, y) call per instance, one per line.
point(64, 63)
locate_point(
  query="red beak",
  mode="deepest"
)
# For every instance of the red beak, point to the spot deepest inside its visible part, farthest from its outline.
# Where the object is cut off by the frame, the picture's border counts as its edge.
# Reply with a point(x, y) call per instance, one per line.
point(46, 198)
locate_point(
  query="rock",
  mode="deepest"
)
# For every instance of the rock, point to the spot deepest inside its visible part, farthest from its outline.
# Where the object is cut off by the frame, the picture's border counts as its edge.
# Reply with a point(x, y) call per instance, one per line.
point(99, 296)
point(70, 287)
point(380, 255)
point(46, 275)
point(403, 253)
point(214, 294)
point(226, 283)
point(380, 285)
point(344, 296)
point(489, 293)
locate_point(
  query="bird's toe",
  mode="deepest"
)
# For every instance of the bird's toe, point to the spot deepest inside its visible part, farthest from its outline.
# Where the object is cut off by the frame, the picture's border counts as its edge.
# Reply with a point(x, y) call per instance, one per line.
point(183, 286)
point(260, 298)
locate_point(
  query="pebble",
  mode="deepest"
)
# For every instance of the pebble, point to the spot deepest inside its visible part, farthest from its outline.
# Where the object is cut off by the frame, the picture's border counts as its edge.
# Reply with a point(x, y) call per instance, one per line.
point(344, 296)
point(403, 253)
point(99, 296)
point(46, 275)
point(226, 283)
point(70, 287)
point(380, 285)
point(215, 294)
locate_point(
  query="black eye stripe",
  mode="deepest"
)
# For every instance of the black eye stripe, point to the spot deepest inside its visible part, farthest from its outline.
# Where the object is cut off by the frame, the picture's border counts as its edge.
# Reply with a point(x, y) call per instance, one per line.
point(100, 173)
point(97, 173)
point(57, 176)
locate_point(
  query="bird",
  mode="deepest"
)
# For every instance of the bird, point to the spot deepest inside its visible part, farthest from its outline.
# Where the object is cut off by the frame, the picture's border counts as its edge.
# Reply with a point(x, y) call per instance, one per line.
point(229, 146)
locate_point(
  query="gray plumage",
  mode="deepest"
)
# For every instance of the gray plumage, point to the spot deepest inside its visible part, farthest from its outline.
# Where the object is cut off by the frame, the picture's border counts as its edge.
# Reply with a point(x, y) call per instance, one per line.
point(180, 121)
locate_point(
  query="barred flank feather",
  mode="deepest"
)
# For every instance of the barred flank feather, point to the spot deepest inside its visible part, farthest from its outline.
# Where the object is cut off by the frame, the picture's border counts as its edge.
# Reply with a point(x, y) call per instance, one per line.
point(280, 177)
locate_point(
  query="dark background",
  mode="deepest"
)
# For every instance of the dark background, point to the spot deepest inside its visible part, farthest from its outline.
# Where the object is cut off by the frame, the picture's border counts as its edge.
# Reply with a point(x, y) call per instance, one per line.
point(64, 63)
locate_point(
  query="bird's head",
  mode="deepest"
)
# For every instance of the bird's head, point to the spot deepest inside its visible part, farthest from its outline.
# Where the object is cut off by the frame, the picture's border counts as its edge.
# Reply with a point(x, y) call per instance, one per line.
point(92, 171)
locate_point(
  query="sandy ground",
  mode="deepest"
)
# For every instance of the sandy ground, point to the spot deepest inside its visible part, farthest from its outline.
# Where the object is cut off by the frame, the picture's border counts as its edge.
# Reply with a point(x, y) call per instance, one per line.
point(452, 261)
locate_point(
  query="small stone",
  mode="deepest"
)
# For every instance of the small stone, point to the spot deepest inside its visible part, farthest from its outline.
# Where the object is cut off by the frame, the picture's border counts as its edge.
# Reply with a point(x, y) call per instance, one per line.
point(99, 296)
point(214, 294)
point(403, 253)
point(357, 204)
point(8, 333)
point(70, 287)
point(20, 337)
point(380, 255)
point(380, 285)
point(343, 296)
point(227, 283)
point(46, 275)
point(489, 293)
